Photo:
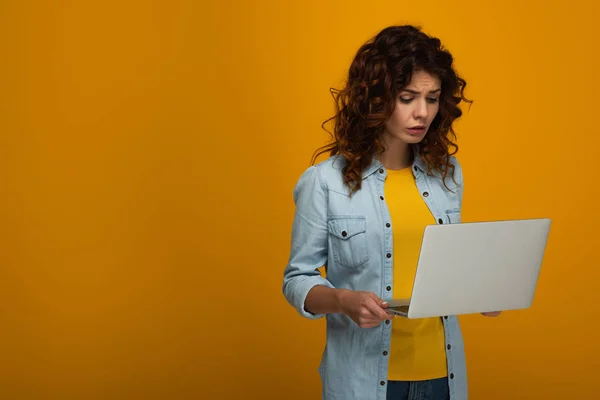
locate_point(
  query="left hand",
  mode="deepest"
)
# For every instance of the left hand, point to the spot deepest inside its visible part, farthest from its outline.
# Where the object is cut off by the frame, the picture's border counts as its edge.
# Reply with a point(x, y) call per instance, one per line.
point(492, 313)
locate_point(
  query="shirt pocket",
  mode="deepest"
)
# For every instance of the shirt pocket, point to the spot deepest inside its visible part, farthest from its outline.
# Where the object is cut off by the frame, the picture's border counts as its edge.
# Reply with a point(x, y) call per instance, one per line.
point(348, 238)
point(453, 215)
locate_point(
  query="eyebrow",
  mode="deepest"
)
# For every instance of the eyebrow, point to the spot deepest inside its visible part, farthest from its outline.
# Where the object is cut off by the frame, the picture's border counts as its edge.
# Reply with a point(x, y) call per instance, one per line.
point(416, 92)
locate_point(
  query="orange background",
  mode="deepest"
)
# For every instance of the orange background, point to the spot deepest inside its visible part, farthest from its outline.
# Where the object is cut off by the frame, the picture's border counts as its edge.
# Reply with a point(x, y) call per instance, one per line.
point(148, 151)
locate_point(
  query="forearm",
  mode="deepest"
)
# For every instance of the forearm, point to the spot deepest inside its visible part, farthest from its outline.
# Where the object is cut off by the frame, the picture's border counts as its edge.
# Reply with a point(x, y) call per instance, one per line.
point(323, 300)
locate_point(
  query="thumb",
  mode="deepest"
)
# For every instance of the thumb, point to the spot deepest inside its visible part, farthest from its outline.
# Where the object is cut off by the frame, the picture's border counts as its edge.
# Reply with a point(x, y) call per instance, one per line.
point(380, 302)
point(377, 307)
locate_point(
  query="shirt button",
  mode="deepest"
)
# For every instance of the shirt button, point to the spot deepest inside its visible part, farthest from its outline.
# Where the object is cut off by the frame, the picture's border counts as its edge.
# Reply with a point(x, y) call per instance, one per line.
point(388, 288)
point(445, 317)
point(415, 167)
point(381, 197)
point(382, 383)
point(440, 221)
point(451, 376)
point(425, 194)
point(388, 225)
point(389, 255)
point(344, 233)
point(381, 170)
point(449, 347)
point(385, 353)
point(387, 321)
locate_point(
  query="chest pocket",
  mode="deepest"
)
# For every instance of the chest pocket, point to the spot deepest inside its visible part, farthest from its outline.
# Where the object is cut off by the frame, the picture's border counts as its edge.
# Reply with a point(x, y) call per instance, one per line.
point(348, 239)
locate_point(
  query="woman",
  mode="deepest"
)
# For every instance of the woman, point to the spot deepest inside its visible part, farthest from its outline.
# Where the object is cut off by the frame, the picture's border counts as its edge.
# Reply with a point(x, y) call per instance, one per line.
point(362, 214)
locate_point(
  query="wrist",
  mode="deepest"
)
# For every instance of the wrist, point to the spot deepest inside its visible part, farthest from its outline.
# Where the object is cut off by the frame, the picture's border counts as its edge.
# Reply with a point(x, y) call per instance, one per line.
point(340, 297)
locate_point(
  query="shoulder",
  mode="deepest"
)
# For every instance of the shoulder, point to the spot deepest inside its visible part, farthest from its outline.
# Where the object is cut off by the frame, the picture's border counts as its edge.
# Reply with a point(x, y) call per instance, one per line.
point(312, 179)
point(331, 171)
point(458, 174)
point(325, 176)
point(451, 179)
point(448, 175)
point(458, 177)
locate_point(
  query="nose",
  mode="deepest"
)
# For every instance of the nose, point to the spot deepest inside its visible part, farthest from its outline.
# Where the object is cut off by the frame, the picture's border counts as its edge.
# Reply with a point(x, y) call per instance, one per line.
point(421, 110)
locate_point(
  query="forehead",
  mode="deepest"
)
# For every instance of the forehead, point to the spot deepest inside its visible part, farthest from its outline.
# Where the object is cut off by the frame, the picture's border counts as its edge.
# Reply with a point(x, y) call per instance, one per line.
point(422, 80)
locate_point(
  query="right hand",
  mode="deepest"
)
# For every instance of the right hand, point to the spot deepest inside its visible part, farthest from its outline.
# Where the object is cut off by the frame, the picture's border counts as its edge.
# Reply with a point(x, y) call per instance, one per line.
point(364, 308)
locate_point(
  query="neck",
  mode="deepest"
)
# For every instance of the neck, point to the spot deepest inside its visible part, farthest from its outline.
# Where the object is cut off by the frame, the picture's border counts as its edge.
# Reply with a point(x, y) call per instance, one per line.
point(397, 155)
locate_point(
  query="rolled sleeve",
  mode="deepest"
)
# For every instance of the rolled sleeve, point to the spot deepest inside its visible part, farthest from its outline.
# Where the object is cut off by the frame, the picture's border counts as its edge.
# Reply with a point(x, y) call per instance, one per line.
point(309, 241)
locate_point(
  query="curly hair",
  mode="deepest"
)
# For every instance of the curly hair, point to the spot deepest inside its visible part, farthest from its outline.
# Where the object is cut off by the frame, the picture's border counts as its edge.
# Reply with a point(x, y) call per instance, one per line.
point(382, 67)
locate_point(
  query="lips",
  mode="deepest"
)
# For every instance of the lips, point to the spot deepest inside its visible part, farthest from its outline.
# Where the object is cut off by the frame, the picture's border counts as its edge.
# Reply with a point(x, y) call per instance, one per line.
point(417, 130)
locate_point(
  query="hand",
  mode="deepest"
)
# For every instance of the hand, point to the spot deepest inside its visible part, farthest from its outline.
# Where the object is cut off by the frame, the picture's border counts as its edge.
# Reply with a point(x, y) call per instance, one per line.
point(492, 313)
point(364, 308)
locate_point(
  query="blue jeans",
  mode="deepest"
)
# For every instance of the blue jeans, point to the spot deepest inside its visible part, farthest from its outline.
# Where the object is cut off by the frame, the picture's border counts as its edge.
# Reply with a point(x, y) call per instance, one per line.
point(435, 389)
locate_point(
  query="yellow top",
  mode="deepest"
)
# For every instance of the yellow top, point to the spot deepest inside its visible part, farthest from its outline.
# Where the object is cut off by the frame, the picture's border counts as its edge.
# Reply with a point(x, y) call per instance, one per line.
point(417, 350)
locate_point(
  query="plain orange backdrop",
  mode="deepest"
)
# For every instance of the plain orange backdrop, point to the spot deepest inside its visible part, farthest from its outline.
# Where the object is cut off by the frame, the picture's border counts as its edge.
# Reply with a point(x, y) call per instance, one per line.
point(148, 152)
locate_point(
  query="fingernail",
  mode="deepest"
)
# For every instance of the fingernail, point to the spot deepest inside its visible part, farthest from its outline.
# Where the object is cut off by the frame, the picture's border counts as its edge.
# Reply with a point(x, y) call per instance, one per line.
point(385, 303)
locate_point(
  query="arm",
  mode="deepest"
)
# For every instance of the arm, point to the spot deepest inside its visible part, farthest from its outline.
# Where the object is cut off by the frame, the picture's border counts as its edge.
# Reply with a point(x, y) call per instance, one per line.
point(303, 286)
point(364, 308)
point(309, 248)
point(323, 300)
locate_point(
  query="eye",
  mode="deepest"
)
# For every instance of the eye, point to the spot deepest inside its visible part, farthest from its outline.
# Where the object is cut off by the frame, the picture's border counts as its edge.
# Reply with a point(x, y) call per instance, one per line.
point(405, 100)
point(432, 100)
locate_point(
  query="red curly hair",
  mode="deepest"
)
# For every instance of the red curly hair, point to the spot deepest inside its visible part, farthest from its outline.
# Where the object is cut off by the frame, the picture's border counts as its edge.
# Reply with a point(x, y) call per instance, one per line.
point(381, 68)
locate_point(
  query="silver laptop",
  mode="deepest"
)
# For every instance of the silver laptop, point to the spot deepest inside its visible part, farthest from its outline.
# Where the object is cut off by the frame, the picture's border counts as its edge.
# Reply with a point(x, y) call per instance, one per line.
point(476, 267)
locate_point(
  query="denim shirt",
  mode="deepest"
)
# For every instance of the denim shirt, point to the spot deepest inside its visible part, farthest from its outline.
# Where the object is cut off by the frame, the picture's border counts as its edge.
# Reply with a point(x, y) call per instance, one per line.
point(352, 237)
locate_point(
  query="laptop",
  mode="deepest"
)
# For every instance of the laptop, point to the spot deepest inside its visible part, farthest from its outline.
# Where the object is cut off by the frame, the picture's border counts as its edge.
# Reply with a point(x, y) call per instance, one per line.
point(476, 267)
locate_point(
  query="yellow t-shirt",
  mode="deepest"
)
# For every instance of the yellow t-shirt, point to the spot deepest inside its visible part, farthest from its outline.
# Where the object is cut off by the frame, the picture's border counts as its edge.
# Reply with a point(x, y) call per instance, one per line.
point(417, 345)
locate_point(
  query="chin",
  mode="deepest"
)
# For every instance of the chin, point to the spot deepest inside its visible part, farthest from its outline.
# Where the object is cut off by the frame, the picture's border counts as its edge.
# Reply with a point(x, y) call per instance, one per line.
point(411, 139)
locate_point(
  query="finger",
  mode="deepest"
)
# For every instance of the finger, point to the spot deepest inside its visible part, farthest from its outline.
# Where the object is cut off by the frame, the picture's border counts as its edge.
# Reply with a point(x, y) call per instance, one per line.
point(378, 300)
point(492, 314)
point(374, 319)
point(377, 311)
point(370, 324)
point(390, 315)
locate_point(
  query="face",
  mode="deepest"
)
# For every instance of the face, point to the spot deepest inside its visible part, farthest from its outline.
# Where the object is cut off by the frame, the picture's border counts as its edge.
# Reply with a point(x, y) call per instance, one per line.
point(416, 107)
